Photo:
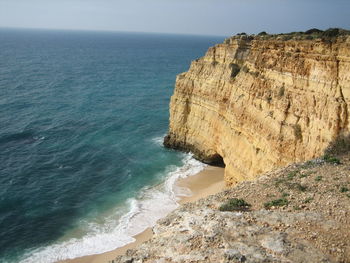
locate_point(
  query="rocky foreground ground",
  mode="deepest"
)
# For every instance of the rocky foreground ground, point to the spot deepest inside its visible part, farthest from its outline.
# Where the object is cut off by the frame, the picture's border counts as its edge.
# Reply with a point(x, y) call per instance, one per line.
point(300, 213)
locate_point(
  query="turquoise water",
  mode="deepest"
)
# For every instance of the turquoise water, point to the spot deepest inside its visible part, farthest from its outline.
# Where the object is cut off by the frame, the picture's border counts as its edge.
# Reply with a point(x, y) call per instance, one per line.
point(81, 124)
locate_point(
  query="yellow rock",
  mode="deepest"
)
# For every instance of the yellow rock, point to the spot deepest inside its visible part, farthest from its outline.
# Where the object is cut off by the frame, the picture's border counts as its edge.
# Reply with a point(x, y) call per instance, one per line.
point(260, 104)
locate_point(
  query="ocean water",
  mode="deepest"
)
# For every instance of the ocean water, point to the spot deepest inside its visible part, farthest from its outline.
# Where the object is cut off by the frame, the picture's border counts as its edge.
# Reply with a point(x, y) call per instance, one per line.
point(82, 117)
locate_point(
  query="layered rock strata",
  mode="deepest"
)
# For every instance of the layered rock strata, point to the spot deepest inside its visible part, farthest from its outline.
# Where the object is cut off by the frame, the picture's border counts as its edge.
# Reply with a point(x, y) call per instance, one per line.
point(261, 103)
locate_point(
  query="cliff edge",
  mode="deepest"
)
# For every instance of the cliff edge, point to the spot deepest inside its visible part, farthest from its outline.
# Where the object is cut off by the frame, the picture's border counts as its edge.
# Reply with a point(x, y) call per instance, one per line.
point(256, 103)
point(299, 214)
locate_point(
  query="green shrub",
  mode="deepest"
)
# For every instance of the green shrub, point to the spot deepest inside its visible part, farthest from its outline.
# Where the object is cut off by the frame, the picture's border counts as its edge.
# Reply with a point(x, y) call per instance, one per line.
point(310, 37)
point(344, 189)
point(304, 175)
point(287, 37)
point(285, 194)
point(292, 174)
point(263, 33)
point(313, 31)
point(308, 200)
point(331, 159)
point(277, 202)
point(331, 32)
point(235, 204)
point(318, 178)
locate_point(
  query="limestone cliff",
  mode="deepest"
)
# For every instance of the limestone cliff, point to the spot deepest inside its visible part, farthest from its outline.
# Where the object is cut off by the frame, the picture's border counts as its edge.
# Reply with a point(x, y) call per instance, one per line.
point(261, 102)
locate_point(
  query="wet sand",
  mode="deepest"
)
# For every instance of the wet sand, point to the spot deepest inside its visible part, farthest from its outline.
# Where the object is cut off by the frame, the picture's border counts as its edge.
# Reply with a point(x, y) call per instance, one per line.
point(207, 182)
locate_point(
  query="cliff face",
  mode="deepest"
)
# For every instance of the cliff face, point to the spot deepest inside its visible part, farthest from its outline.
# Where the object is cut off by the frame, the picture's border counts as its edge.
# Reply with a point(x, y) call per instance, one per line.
point(259, 104)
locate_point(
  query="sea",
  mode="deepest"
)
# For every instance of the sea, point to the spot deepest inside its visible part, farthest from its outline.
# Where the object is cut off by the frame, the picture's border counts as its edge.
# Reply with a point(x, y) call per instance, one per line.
point(82, 119)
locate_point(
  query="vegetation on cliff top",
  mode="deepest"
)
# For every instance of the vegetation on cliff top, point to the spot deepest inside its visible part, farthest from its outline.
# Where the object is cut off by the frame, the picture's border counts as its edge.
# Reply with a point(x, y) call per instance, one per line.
point(235, 204)
point(310, 34)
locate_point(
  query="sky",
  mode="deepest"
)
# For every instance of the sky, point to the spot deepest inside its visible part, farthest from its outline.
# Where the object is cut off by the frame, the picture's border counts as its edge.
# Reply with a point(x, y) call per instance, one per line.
point(201, 17)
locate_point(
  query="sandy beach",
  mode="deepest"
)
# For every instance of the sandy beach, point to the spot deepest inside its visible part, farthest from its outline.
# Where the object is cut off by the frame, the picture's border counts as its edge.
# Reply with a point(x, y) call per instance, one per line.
point(205, 183)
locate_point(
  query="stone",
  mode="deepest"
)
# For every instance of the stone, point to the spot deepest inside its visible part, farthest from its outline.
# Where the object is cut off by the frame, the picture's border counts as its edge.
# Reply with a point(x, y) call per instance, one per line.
point(274, 243)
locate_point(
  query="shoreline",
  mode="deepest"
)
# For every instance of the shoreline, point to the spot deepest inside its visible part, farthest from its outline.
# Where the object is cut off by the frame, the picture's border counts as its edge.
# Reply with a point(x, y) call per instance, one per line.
point(207, 182)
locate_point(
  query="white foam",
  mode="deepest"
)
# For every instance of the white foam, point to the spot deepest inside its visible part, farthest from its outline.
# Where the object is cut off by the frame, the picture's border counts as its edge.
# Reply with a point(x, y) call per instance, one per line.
point(144, 210)
point(39, 138)
point(158, 140)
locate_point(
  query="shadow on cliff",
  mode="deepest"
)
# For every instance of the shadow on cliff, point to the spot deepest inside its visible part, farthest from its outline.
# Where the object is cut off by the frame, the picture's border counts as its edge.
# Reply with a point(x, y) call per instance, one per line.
point(339, 146)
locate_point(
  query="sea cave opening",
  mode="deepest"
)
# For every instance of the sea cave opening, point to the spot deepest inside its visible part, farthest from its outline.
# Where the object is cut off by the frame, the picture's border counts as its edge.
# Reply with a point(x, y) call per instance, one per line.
point(217, 160)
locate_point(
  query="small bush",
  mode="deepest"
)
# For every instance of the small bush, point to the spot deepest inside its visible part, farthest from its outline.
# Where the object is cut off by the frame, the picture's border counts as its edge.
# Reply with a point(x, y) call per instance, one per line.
point(318, 178)
point(310, 37)
point(285, 194)
point(331, 159)
point(313, 31)
point(331, 32)
point(291, 175)
point(287, 37)
point(263, 33)
point(344, 189)
point(308, 200)
point(277, 202)
point(300, 187)
point(304, 175)
point(235, 204)
point(279, 181)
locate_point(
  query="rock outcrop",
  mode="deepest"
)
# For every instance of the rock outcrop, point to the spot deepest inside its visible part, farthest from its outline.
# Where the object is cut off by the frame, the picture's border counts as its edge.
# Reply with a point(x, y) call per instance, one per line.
point(258, 103)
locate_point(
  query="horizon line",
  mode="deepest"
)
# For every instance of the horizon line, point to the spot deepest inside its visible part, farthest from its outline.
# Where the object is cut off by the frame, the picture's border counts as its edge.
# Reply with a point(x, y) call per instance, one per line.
point(109, 31)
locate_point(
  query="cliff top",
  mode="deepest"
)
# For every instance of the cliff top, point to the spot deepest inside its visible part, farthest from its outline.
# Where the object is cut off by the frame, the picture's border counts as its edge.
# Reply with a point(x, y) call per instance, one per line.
point(311, 34)
point(295, 214)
